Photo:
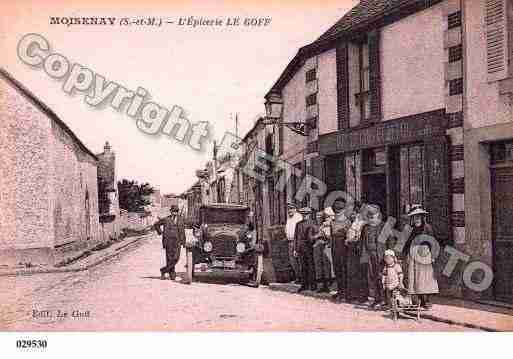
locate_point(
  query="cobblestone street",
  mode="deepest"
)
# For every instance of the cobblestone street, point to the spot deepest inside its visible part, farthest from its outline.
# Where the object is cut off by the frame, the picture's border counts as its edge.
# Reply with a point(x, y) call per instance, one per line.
point(125, 293)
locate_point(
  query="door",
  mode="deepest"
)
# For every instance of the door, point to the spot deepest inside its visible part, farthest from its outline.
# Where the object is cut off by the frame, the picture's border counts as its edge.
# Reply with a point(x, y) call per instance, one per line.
point(502, 217)
point(436, 164)
point(375, 190)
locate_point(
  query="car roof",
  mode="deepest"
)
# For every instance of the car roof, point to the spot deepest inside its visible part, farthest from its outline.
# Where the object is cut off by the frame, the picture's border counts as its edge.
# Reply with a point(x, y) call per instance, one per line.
point(225, 206)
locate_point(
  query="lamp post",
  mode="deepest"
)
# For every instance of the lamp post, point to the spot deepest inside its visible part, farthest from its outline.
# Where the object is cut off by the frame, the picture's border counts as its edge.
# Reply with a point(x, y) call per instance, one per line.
point(274, 113)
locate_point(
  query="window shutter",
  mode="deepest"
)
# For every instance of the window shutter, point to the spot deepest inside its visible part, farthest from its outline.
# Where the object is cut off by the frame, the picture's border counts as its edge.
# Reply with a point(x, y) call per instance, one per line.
point(342, 86)
point(374, 76)
point(496, 39)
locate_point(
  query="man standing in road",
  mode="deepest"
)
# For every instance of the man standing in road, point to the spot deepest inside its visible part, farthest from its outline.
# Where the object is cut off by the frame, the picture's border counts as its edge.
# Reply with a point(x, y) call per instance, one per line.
point(173, 237)
point(290, 229)
point(304, 239)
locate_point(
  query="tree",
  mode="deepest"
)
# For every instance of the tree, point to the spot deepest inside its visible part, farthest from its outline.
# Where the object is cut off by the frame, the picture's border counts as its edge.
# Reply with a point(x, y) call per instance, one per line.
point(133, 196)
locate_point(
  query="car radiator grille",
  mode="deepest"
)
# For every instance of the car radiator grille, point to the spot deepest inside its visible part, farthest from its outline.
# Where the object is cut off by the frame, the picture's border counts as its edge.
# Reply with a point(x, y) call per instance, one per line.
point(224, 246)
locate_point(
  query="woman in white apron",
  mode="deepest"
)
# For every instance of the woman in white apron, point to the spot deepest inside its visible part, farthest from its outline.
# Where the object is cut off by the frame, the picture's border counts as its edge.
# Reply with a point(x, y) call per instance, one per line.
point(421, 278)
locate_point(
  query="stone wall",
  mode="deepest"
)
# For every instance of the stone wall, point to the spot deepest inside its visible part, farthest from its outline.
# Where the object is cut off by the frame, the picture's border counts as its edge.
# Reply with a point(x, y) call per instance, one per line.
point(46, 176)
point(25, 133)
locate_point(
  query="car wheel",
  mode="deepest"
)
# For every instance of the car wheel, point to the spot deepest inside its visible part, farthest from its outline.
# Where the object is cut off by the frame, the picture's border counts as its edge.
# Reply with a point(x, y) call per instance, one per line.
point(189, 266)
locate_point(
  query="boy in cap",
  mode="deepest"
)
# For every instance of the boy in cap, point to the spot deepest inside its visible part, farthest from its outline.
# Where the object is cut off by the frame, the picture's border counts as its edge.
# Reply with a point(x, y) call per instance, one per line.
point(372, 251)
point(339, 226)
point(304, 238)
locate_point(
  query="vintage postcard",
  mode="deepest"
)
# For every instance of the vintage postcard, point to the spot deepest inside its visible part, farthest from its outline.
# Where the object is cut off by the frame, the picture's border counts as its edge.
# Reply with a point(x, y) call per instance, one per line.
point(256, 166)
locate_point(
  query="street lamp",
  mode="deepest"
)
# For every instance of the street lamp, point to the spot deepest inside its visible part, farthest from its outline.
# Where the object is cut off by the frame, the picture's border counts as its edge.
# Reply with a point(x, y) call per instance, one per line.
point(274, 106)
point(274, 112)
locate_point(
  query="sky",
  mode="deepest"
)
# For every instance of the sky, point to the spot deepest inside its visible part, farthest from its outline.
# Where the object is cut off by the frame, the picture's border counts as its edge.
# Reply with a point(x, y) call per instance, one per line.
point(211, 72)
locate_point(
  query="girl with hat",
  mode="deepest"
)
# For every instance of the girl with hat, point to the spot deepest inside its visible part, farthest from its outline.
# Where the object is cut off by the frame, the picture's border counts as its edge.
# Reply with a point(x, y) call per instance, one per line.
point(422, 282)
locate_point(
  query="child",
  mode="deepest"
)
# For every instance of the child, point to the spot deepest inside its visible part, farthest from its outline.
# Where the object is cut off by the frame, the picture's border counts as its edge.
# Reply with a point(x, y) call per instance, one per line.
point(392, 277)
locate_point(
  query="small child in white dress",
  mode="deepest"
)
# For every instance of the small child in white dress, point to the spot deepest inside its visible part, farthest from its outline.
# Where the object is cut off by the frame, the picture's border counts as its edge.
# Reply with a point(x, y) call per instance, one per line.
point(392, 276)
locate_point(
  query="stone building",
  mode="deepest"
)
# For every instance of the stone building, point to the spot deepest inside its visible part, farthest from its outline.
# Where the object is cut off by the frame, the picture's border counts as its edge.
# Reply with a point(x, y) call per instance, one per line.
point(409, 102)
point(48, 181)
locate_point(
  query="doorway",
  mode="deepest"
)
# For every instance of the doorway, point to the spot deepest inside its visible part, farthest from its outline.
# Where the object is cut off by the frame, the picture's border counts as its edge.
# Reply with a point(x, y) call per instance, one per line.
point(502, 203)
point(501, 172)
point(374, 190)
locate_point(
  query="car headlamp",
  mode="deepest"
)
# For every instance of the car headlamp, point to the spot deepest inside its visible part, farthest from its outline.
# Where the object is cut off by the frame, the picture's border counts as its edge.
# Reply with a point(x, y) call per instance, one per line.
point(207, 246)
point(241, 247)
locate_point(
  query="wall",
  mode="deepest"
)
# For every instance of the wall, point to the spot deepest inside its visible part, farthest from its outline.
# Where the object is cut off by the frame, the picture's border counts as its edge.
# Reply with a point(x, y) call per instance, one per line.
point(412, 48)
point(74, 178)
point(24, 179)
point(327, 95)
point(294, 109)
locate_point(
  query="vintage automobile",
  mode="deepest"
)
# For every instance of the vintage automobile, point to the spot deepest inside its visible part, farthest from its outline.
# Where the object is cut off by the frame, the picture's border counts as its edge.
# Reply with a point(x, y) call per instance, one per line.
point(223, 243)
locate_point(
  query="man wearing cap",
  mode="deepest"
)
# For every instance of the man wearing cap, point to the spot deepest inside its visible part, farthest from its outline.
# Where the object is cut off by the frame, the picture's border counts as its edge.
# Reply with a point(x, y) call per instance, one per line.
point(173, 237)
point(293, 218)
point(304, 239)
point(339, 226)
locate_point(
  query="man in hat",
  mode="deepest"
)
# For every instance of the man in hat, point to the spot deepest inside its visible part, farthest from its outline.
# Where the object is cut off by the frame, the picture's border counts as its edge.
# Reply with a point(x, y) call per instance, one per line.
point(304, 240)
point(293, 218)
point(173, 237)
point(372, 252)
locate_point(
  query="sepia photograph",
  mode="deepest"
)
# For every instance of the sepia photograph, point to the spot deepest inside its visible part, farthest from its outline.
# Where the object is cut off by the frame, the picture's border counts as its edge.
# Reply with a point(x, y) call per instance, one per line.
point(229, 166)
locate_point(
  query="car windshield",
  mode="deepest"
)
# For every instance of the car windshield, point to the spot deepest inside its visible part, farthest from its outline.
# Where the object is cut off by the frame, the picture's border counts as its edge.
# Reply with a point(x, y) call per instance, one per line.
point(217, 215)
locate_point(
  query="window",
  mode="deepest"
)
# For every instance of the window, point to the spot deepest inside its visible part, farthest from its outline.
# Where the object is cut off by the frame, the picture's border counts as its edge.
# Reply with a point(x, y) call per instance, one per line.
point(221, 195)
point(455, 86)
point(311, 99)
point(412, 176)
point(455, 53)
point(501, 152)
point(272, 217)
point(454, 19)
point(353, 174)
point(311, 75)
point(362, 97)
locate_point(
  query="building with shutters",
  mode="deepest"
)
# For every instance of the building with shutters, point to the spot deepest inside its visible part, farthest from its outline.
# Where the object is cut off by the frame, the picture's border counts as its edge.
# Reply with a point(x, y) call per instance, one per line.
point(485, 159)
point(410, 103)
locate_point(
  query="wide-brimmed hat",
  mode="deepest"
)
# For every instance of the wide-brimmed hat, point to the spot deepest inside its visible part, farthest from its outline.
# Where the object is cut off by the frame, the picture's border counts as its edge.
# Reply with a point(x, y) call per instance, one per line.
point(417, 209)
point(305, 210)
point(389, 252)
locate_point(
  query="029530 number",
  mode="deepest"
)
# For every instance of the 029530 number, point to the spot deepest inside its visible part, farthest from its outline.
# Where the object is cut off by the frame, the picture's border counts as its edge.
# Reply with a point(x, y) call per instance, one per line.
point(31, 344)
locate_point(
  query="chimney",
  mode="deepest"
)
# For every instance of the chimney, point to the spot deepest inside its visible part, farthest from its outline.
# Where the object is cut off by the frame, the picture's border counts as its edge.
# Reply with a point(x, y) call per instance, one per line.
point(106, 148)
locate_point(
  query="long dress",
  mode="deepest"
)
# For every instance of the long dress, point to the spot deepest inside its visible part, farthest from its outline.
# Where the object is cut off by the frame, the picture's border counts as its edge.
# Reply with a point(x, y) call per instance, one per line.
point(421, 275)
point(357, 287)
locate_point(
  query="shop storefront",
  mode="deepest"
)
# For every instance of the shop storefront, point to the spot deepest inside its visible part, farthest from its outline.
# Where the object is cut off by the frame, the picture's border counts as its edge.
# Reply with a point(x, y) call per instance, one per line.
point(394, 164)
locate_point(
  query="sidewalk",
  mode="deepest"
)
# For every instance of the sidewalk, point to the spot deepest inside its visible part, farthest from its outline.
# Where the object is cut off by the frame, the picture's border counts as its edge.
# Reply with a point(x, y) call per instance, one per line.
point(447, 310)
point(96, 257)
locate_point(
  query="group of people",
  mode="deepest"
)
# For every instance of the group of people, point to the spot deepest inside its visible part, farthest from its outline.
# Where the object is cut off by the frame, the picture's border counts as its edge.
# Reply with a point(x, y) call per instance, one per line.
point(346, 242)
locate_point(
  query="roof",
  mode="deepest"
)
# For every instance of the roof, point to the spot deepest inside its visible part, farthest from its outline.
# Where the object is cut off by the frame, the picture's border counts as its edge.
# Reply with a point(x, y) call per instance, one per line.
point(361, 18)
point(364, 12)
point(45, 109)
point(250, 132)
point(225, 206)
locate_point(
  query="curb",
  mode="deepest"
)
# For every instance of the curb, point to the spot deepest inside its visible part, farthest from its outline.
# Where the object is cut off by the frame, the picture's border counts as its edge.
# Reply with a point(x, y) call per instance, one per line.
point(327, 296)
point(77, 267)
